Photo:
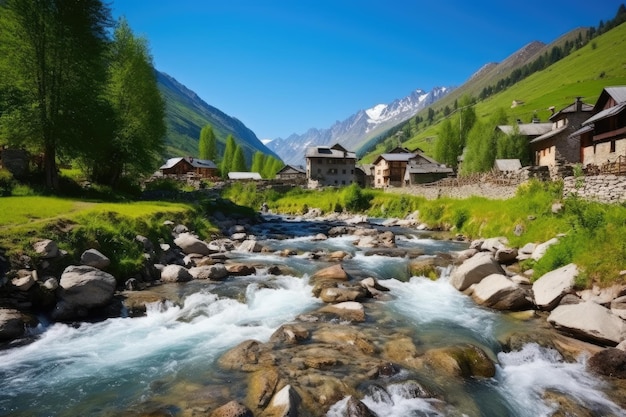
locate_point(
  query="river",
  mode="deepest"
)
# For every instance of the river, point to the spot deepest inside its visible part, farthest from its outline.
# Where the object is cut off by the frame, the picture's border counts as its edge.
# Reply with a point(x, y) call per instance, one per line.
point(166, 360)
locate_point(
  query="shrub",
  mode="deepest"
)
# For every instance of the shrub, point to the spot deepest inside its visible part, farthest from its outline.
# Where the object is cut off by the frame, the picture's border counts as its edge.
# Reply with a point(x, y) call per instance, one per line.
point(6, 182)
point(354, 200)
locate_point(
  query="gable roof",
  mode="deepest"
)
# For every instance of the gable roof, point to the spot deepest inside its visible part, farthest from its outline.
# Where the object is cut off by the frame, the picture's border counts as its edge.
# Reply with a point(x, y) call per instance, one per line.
point(611, 111)
point(326, 152)
point(394, 157)
point(572, 108)
point(297, 168)
point(196, 163)
point(549, 134)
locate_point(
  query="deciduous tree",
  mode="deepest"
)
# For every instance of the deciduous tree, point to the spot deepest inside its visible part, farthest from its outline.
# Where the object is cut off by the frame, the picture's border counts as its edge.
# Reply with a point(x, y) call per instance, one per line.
point(207, 145)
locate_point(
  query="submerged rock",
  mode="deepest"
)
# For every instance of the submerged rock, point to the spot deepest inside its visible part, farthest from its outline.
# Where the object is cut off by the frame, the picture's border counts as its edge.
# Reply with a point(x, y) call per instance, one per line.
point(232, 409)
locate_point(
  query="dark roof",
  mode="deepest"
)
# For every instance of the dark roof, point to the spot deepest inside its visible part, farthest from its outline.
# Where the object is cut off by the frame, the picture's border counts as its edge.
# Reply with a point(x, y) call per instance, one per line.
point(611, 111)
point(572, 108)
point(505, 165)
point(428, 169)
point(618, 93)
point(584, 129)
point(395, 157)
point(296, 168)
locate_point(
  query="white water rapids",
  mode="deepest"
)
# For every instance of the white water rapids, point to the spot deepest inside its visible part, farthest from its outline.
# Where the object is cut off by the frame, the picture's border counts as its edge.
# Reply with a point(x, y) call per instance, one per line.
point(110, 367)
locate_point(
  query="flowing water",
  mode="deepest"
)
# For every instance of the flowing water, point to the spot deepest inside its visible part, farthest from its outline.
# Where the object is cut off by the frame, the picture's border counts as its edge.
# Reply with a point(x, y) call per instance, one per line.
point(127, 366)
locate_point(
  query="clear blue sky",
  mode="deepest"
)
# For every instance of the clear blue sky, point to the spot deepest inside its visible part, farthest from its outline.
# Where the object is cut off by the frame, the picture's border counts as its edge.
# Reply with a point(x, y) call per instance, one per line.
point(284, 66)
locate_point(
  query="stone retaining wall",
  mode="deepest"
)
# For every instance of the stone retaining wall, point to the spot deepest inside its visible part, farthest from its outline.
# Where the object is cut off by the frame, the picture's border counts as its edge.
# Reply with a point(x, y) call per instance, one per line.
point(602, 188)
point(432, 192)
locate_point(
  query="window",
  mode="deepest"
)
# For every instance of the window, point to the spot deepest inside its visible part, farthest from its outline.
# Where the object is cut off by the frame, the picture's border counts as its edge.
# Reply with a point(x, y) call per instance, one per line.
point(344, 171)
point(343, 182)
point(319, 170)
point(352, 171)
point(612, 146)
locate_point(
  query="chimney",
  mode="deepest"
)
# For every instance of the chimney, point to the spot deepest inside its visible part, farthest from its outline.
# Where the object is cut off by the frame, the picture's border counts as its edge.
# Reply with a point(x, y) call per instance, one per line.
point(579, 104)
point(551, 108)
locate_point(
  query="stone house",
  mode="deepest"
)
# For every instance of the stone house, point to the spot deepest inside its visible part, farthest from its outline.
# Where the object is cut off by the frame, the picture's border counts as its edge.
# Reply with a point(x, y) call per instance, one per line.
point(558, 145)
point(188, 165)
point(291, 173)
point(422, 169)
point(603, 135)
point(389, 168)
point(364, 175)
point(330, 166)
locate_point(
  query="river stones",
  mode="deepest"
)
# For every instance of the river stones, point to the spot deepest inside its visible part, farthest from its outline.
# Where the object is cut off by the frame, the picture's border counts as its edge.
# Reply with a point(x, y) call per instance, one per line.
point(285, 403)
point(190, 243)
point(542, 248)
point(474, 270)
point(341, 294)
point(349, 310)
point(135, 302)
point(46, 249)
point(95, 258)
point(250, 246)
point(240, 270)
point(86, 286)
point(175, 273)
point(461, 361)
point(551, 287)
point(498, 292)
point(333, 272)
point(262, 385)
point(249, 355)
point(290, 334)
point(402, 350)
point(11, 324)
point(589, 320)
point(232, 409)
point(216, 272)
point(610, 362)
point(345, 336)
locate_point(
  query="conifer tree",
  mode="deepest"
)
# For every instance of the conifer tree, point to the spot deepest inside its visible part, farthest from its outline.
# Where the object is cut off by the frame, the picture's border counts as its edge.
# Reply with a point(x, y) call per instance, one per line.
point(207, 145)
point(239, 160)
point(229, 155)
point(258, 161)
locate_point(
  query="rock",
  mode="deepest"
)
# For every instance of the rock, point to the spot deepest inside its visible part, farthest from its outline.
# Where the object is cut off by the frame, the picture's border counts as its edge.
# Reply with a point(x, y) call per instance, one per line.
point(51, 283)
point(179, 229)
point(367, 242)
point(24, 283)
point(214, 272)
point(465, 361)
point(372, 286)
point(46, 249)
point(557, 208)
point(290, 334)
point(250, 246)
point(240, 270)
point(463, 255)
point(232, 409)
point(349, 310)
point(338, 295)
point(542, 248)
point(590, 321)
point(175, 273)
point(285, 403)
point(498, 292)
point(494, 244)
point(621, 346)
point(11, 324)
point(602, 295)
point(334, 272)
point(355, 408)
point(136, 302)
point(239, 237)
point(387, 239)
point(319, 237)
point(249, 355)
point(424, 267)
point(474, 270)
point(551, 287)
point(95, 258)
point(618, 307)
point(506, 255)
point(409, 390)
point(87, 287)
point(338, 255)
point(341, 335)
point(402, 350)
point(609, 362)
point(145, 243)
point(190, 243)
point(261, 387)
point(132, 284)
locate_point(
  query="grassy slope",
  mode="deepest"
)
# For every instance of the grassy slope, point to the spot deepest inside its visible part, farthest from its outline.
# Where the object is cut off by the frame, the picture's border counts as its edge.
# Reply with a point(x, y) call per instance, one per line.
point(584, 72)
point(79, 225)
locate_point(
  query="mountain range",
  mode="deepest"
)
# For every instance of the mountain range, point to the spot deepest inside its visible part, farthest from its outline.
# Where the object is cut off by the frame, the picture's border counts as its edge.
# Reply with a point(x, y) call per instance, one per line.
point(356, 130)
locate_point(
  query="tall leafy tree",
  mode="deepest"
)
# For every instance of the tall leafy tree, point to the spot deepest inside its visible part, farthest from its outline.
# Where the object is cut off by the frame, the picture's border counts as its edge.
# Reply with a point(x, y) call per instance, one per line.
point(138, 110)
point(258, 161)
point(239, 160)
point(482, 143)
point(207, 145)
point(448, 145)
point(229, 155)
point(52, 54)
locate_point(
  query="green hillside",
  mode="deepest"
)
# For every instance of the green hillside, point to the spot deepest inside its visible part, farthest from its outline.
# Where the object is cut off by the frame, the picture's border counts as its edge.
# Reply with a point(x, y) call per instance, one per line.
point(186, 114)
point(585, 72)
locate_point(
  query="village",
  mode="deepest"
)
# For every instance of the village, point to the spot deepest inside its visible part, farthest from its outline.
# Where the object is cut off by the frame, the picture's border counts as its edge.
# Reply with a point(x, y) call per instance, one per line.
point(592, 136)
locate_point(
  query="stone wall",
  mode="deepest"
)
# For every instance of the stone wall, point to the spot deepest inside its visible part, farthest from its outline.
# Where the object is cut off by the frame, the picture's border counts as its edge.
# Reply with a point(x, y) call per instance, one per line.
point(602, 188)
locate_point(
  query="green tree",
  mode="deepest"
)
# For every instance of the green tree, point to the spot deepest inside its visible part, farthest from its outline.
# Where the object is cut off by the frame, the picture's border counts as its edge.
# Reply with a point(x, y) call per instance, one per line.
point(514, 146)
point(138, 110)
point(258, 161)
point(207, 145)
point(239, 160)
point(229, 155)
point(482, 143)
point(448, 145)
point(52, 56)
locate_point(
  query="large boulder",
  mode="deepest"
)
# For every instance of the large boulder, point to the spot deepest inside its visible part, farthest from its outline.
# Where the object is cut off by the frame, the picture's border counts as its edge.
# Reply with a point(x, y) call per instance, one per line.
point(542, 248)
point(175, 273)
point(46, 248)
point(618, 307)
point(461, 361)
point(250, 246)
point(11, 324)
point(474, 270)
point(334, 272)
point(494, 244)
point(551, 287)
point(590, 321)
point(87, 287)
point(95, 258)
point(348, 310)
point(190, 243)
point(610, 362)
point(285, 403)
point(498, 292)
point(341, 294)
point(214, 272)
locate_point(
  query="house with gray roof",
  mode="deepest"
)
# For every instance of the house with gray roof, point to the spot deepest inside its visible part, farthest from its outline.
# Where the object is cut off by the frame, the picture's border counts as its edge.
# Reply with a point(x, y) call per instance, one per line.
point(557, 145)
point(330, 166)
point(422, 169)
point(389, 168)
point(603, 135)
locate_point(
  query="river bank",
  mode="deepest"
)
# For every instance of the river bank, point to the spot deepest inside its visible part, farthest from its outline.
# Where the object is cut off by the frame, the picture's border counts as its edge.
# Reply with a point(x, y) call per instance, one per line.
point(317, 316)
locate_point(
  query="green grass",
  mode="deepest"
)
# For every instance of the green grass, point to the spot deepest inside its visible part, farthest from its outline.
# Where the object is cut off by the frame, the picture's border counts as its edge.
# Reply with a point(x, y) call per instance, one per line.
point(77, 225)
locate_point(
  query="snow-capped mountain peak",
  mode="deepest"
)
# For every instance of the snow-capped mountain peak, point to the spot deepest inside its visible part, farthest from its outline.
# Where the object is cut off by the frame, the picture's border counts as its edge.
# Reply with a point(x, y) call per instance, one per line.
point(375, 113)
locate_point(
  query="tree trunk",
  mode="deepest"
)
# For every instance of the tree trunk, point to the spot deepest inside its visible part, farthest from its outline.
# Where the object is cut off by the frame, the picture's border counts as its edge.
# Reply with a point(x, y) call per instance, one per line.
point(50, 168)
